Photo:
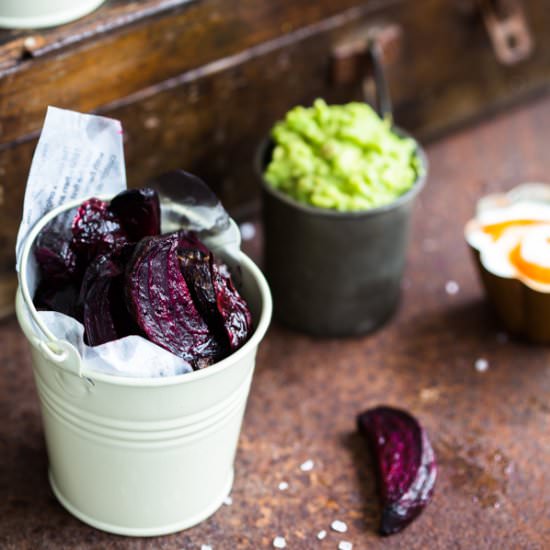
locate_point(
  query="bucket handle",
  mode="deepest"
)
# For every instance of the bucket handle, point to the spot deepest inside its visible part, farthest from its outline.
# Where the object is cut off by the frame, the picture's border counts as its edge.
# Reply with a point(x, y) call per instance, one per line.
point(54, 349)
point(49, 347)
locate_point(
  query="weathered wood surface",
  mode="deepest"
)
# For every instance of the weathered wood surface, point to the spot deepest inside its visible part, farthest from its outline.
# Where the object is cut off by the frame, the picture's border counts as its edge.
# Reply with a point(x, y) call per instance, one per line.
point(490, 430)
point(116, 64)
point(197, 85)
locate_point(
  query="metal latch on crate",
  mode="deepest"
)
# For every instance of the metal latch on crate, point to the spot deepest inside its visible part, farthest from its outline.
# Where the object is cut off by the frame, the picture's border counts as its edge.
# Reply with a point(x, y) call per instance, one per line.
point(508, 29)
point(506, 25)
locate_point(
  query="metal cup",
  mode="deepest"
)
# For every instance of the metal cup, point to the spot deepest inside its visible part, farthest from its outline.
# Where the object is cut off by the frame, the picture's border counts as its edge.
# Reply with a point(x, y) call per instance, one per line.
point(334, 273)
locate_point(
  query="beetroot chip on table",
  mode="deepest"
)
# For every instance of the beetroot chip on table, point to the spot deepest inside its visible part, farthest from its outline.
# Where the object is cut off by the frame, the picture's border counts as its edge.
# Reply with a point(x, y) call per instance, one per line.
point(406, 464)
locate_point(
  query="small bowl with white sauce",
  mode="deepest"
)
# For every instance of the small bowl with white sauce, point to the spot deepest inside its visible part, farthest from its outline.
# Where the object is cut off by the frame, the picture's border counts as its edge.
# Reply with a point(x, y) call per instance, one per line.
point(510, 241)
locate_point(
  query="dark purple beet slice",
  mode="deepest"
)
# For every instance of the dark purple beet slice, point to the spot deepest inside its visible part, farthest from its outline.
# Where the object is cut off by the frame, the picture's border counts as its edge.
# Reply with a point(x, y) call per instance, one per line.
point(96, 231)
point(57, 298)
point(161, 302)
point(195, 267)
point(138, 211)
point(195, 261)
point(406, 464)
point(56, 260)
point(188, 240)
point(234, 311)
point(215, 296)
point(104, 312)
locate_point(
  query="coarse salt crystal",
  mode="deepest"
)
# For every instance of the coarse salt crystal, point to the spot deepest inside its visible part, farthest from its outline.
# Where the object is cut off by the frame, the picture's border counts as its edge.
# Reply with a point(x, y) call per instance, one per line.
point(429, 394)
point(321, 534)
point(30, 42)
point(481, 364)
point(283, 486)
point(451, 287)
point(228, 500)
point(279, 542)
point(339, 526)
point(345, 545)
point(307, 466)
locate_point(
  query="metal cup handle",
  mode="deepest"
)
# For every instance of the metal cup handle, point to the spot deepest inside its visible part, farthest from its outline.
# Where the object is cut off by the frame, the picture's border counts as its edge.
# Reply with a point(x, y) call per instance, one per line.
point(383, 98)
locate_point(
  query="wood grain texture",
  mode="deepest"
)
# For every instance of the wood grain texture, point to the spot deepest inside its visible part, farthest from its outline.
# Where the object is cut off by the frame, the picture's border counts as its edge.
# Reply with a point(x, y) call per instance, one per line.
point(112, 14)
point(88, 74)
point(448, 73)
point(490, 430)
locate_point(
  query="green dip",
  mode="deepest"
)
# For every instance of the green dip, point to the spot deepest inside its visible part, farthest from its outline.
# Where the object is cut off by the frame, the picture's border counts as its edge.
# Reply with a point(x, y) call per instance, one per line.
point(342, 157)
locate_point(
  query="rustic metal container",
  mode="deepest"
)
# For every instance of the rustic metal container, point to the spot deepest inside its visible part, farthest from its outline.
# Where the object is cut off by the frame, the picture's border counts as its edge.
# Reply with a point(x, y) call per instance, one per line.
point(522, 305)
point(140, 456)
point(524, 311)
point(334, 273)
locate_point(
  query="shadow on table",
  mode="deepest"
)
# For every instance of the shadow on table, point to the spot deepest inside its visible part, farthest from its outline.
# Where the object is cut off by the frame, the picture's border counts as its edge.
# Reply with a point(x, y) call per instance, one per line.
point(449, 339)
point(472, 321)
point(365, 471)
point(456, 337)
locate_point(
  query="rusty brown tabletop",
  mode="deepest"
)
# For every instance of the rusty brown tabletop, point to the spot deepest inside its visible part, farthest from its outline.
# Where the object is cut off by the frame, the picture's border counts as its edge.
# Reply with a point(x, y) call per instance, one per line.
point(490, 430)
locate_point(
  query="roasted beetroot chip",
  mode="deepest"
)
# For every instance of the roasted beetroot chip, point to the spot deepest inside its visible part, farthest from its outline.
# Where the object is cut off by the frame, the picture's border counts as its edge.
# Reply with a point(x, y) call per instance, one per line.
point(138, 211)
point(162, 305)
point(215, 296)
point(58, 286)
point(104, 312)
point(56, 260)
point(234, 311)
point(96, 231)
point(406, 464)
point(195, 267)
point(187, 240)
point(57, 298)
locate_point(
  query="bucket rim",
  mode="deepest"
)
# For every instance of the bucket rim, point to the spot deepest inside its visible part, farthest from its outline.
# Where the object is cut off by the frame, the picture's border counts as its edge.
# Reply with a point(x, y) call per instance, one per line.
point(264, 319)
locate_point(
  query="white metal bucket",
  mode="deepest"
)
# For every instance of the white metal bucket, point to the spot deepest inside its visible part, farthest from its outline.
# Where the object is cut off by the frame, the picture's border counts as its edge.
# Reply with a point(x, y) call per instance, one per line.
point(141, 456)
